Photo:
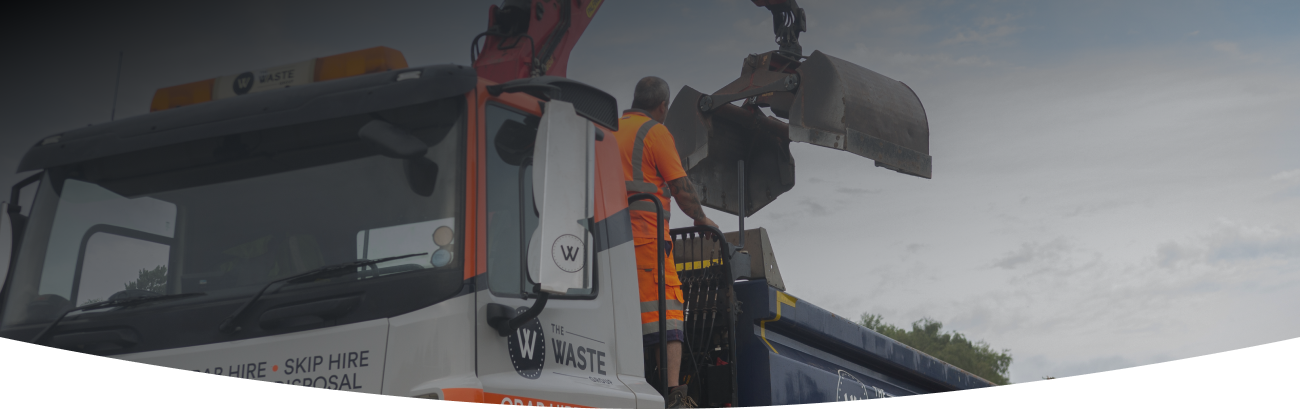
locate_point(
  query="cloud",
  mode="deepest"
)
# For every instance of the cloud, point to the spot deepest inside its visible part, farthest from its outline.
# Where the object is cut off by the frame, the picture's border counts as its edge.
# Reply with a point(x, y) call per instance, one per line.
point(1093, 208)
point(1227, 47)
point(1171, 254)
point(857, 191)
point(1290, 185)
point(814, 208)
point(1237, 242)
point(1033, 252)
point(1233, 49)
point(913, 60)
point(990, 29)
point(912, 250)
point(893, 20)
point(1231, 244)
point(1290, 176)
point(1040, 366)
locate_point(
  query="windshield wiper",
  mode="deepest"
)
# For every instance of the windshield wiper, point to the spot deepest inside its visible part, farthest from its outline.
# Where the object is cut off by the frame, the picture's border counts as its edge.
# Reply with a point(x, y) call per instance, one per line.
point(228, 326)
point(121, 302)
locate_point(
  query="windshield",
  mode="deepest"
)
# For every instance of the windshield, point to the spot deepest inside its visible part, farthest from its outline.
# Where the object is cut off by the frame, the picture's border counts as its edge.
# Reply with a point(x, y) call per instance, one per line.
point(271, 205)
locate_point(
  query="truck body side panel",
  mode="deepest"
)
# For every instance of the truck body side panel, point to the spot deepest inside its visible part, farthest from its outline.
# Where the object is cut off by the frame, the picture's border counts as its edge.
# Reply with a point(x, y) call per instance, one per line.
point(790, 351)
point(347, 357)
point(432, 350)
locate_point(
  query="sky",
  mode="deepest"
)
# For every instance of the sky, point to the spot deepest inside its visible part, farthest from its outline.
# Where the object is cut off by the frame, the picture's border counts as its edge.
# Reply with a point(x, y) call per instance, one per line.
point(1114, 183)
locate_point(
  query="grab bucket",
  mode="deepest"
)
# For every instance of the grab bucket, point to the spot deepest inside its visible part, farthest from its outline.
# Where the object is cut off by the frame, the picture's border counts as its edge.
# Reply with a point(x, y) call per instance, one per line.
point(837, 104)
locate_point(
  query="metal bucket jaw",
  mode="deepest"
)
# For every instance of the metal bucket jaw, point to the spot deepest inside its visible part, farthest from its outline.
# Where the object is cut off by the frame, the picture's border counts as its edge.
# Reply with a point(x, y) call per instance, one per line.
point(711, 143)
point(837, 104)
point(843, 106)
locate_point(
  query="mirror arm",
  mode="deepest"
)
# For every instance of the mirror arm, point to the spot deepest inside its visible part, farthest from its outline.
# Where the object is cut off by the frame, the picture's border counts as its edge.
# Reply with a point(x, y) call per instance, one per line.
point(18, 222)
point(17, 226)
point(15, 211)
point(505, 320)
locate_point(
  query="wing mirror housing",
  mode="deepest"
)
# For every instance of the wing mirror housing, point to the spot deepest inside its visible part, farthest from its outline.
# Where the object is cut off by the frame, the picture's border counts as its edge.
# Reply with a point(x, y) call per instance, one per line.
point(392, 141)
point(560, 254)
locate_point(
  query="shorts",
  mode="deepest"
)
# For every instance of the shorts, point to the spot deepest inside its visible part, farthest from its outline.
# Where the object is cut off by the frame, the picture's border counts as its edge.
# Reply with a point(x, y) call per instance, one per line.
point(648, 287)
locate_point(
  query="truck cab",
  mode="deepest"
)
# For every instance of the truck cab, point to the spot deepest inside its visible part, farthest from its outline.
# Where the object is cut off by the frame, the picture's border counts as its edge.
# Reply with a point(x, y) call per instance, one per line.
point(201, 216)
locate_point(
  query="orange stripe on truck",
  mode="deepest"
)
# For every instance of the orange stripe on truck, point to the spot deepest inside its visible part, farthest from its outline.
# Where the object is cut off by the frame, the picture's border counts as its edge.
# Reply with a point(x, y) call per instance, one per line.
point(479, 396)
point(520, 400)
point(463, 394)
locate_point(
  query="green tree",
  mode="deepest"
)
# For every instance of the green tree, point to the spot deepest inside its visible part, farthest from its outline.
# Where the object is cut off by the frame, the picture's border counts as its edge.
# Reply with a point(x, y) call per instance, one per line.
point(154, 280)
point(952, 347)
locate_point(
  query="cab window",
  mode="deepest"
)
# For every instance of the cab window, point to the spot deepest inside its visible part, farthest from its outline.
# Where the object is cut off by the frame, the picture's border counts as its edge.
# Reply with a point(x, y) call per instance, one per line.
point(512, 217)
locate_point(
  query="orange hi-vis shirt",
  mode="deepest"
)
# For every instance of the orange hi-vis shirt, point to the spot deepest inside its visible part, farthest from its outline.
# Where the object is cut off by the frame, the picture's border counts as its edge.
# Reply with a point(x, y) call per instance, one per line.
point(659, 164)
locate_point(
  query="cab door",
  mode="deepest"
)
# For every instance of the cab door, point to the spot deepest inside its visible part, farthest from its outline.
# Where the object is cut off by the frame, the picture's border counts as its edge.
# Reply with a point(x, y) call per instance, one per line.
point(566, 355)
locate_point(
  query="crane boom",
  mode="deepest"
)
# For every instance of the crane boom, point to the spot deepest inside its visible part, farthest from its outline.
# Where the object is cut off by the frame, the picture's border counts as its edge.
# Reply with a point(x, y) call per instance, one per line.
point(529, 38)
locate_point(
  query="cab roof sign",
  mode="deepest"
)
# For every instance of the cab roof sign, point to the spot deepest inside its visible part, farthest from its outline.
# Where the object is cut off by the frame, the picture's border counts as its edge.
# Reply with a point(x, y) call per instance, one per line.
point(370, 60)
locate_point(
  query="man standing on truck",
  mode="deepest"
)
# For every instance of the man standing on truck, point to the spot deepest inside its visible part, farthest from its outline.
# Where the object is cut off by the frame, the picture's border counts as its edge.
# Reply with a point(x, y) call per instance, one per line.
point(651, 165)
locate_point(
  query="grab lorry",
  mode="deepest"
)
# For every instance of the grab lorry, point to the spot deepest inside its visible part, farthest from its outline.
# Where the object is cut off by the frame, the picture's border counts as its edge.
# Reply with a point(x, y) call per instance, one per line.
point(452, 232)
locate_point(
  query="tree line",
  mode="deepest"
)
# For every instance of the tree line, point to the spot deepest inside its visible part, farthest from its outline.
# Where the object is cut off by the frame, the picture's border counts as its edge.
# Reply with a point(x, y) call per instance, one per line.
point(926, 335)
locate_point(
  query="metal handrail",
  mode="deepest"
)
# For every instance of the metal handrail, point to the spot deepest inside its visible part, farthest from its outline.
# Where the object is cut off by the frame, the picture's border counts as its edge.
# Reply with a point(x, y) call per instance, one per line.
point(707, 305)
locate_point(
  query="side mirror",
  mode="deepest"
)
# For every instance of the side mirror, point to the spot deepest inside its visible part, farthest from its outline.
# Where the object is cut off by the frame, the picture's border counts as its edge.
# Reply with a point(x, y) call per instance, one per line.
point(563, 186)
point(392, 141)
point(395, 142)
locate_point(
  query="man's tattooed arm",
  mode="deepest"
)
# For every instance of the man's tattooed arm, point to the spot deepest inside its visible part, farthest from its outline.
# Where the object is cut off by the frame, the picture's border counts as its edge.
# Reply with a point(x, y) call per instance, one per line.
point(688, 199)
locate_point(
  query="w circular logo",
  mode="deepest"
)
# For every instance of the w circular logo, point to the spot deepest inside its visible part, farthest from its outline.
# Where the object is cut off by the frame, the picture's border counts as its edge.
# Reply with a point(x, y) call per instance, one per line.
point(568, 253)
point(528, 348)
point(242, 84)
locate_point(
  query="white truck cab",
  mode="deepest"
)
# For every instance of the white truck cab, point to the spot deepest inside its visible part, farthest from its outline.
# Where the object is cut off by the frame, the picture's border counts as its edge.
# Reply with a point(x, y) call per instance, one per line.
point(356, 234)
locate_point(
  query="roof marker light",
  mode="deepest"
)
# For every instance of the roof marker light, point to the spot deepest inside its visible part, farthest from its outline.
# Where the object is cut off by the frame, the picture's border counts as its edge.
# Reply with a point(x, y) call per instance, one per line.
point(360, 62)
point(409, 75)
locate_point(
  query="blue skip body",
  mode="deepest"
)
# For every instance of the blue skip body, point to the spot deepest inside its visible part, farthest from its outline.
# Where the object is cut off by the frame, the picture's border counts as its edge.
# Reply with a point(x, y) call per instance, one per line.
point(790, 351)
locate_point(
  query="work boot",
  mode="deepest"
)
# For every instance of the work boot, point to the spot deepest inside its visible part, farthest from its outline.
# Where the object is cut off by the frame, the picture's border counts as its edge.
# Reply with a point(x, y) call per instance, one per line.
point(677, 398)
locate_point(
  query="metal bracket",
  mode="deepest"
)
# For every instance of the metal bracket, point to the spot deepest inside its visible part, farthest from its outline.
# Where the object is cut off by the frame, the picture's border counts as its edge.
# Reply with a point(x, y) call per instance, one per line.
point(789, 83)
point(788, 21)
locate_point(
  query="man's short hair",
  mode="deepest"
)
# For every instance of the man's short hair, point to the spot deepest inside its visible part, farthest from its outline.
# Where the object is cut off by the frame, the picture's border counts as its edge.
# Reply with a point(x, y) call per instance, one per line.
point(650, 92)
